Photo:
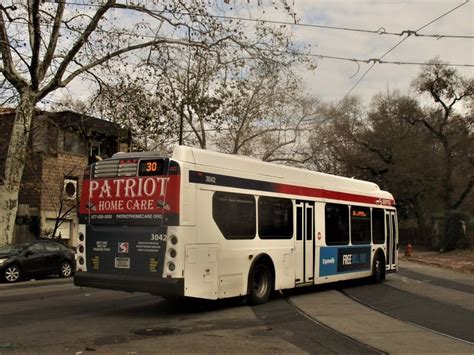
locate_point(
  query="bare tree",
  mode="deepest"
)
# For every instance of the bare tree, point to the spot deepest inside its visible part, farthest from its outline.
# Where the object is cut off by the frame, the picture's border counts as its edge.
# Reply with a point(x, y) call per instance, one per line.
point(8, 94)
point(44, 46)
point(192, 93)
point(136, 105)
point(451, 129)
point(267, 116)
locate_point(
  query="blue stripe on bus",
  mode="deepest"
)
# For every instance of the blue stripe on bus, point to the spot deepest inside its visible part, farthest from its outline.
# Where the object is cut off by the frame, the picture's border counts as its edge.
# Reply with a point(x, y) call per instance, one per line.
point(338, 260)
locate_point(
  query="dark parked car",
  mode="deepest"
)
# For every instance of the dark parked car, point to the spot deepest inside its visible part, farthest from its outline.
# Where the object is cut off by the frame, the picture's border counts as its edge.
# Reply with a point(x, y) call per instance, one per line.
point(38, 258)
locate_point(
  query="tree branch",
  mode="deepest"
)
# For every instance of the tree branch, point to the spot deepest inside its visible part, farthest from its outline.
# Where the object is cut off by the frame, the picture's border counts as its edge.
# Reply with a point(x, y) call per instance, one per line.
point(56, 81)
point(463, 195)
point(53, 84)
point(35, 40)
point(289, 160)
point(157, 15)
point(8, 69)
point(53, 41)
point(237, 145)
point(386, 158)
point(270, 152)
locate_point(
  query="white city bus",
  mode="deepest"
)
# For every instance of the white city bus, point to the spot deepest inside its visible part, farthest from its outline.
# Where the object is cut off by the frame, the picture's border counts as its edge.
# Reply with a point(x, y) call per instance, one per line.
point(212, 225)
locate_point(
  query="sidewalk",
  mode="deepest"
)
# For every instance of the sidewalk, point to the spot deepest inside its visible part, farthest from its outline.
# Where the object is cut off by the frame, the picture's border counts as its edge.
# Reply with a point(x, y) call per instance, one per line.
point(373, 328)
point(434, 270)
point(458, 260)
point(378, 330)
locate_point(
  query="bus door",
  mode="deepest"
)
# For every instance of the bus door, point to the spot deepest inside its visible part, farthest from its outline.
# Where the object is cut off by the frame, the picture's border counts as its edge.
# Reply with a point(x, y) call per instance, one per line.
point(391, 233)
point(304, 244)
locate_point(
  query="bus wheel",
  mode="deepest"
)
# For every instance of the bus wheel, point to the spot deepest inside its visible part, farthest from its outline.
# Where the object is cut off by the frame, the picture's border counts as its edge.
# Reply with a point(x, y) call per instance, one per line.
point(378, 269)
point(260, 284)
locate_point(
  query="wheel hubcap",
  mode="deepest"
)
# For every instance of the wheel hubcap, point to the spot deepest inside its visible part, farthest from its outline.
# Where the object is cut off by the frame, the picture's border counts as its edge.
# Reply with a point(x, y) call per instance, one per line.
point(12, 274)
point(260, 284)
point(378, 268)
point(66, 270)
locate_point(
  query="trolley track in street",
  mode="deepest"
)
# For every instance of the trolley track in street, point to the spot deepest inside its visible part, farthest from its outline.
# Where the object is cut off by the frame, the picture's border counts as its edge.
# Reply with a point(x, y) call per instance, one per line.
point(449, 317)
point(296, 326)
point(415, 310)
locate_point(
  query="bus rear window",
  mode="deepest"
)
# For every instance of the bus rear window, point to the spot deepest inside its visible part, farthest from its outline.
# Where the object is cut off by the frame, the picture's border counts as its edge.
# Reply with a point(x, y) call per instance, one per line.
point(149, 167)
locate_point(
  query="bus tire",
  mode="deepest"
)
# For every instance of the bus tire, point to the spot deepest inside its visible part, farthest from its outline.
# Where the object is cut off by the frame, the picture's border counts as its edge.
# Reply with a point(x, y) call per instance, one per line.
point(260, 284)
point(378, 268)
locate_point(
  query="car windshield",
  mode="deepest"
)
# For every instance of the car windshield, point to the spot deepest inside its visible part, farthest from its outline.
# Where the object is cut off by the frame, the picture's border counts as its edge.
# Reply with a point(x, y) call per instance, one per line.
point(13, 248)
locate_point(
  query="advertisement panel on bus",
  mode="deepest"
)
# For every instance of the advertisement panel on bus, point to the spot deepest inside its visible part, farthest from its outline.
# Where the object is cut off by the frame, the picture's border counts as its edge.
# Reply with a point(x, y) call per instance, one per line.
point(143, 199)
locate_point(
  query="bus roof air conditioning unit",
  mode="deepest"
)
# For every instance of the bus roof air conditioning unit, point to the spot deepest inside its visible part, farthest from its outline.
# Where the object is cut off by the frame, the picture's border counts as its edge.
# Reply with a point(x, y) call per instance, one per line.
point(70, 189)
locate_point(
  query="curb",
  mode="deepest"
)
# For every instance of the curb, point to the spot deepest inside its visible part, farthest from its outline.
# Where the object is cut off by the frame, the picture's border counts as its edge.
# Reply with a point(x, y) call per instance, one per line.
point(435, 264)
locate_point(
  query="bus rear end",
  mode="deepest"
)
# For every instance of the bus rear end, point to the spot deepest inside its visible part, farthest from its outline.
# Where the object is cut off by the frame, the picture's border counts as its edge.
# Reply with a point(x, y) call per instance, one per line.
point(127, 204)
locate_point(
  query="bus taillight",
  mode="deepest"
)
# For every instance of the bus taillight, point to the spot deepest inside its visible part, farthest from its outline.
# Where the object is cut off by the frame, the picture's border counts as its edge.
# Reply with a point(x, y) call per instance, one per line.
point(81, 250)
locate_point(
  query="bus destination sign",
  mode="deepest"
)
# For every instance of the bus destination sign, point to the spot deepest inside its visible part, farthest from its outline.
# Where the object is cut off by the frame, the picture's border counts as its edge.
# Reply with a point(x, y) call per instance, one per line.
point(151, 167)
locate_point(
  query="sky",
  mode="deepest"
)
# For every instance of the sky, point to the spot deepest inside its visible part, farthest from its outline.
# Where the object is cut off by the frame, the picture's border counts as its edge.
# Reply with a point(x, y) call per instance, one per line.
point(334, 79)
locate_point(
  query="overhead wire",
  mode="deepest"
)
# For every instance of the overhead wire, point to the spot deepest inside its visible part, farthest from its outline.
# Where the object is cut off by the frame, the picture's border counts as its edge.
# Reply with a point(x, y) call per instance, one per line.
point(379, 31)
point(398, 44)
point(374, 61)
point(308, 54)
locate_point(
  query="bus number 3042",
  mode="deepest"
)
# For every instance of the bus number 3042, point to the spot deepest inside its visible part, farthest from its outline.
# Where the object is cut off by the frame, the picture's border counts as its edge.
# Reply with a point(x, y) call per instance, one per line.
point(158, 237)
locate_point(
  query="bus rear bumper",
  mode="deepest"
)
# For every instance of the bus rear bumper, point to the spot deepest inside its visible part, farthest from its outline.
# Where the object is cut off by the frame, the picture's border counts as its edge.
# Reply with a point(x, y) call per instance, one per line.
point(131, 283)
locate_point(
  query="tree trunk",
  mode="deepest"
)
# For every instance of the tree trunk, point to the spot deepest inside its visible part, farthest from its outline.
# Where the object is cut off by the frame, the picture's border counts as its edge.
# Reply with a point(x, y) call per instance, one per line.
point(448, 178)
point(14, 164)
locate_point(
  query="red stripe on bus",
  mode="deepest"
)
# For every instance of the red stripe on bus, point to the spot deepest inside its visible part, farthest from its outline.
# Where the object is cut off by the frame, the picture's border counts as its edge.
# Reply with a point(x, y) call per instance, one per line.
point(260, 185)
point(333, 195)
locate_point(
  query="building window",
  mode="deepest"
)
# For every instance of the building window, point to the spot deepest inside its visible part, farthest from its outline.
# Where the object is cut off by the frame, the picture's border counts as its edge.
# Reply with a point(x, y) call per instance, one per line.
point(74, 143)
point(94, 149)
point(337, 224)
point(275, 218)
point(360, 225)
point(235, 215)
point(378, 226)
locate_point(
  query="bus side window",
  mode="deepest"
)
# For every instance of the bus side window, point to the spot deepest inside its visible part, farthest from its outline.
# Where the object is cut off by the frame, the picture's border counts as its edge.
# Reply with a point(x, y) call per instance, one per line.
point(360, 225)
point(275, 218)
point(378, 226)
point(235, 215)
point(337, 224)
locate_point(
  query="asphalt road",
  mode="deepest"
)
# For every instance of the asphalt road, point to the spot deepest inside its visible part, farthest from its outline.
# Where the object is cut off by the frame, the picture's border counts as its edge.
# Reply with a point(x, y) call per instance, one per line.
point(55, 316)
point(62, 318)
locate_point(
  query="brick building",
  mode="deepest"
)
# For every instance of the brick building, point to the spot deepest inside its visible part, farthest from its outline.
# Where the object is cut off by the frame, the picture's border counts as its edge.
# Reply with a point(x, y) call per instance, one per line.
point(61, 145)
